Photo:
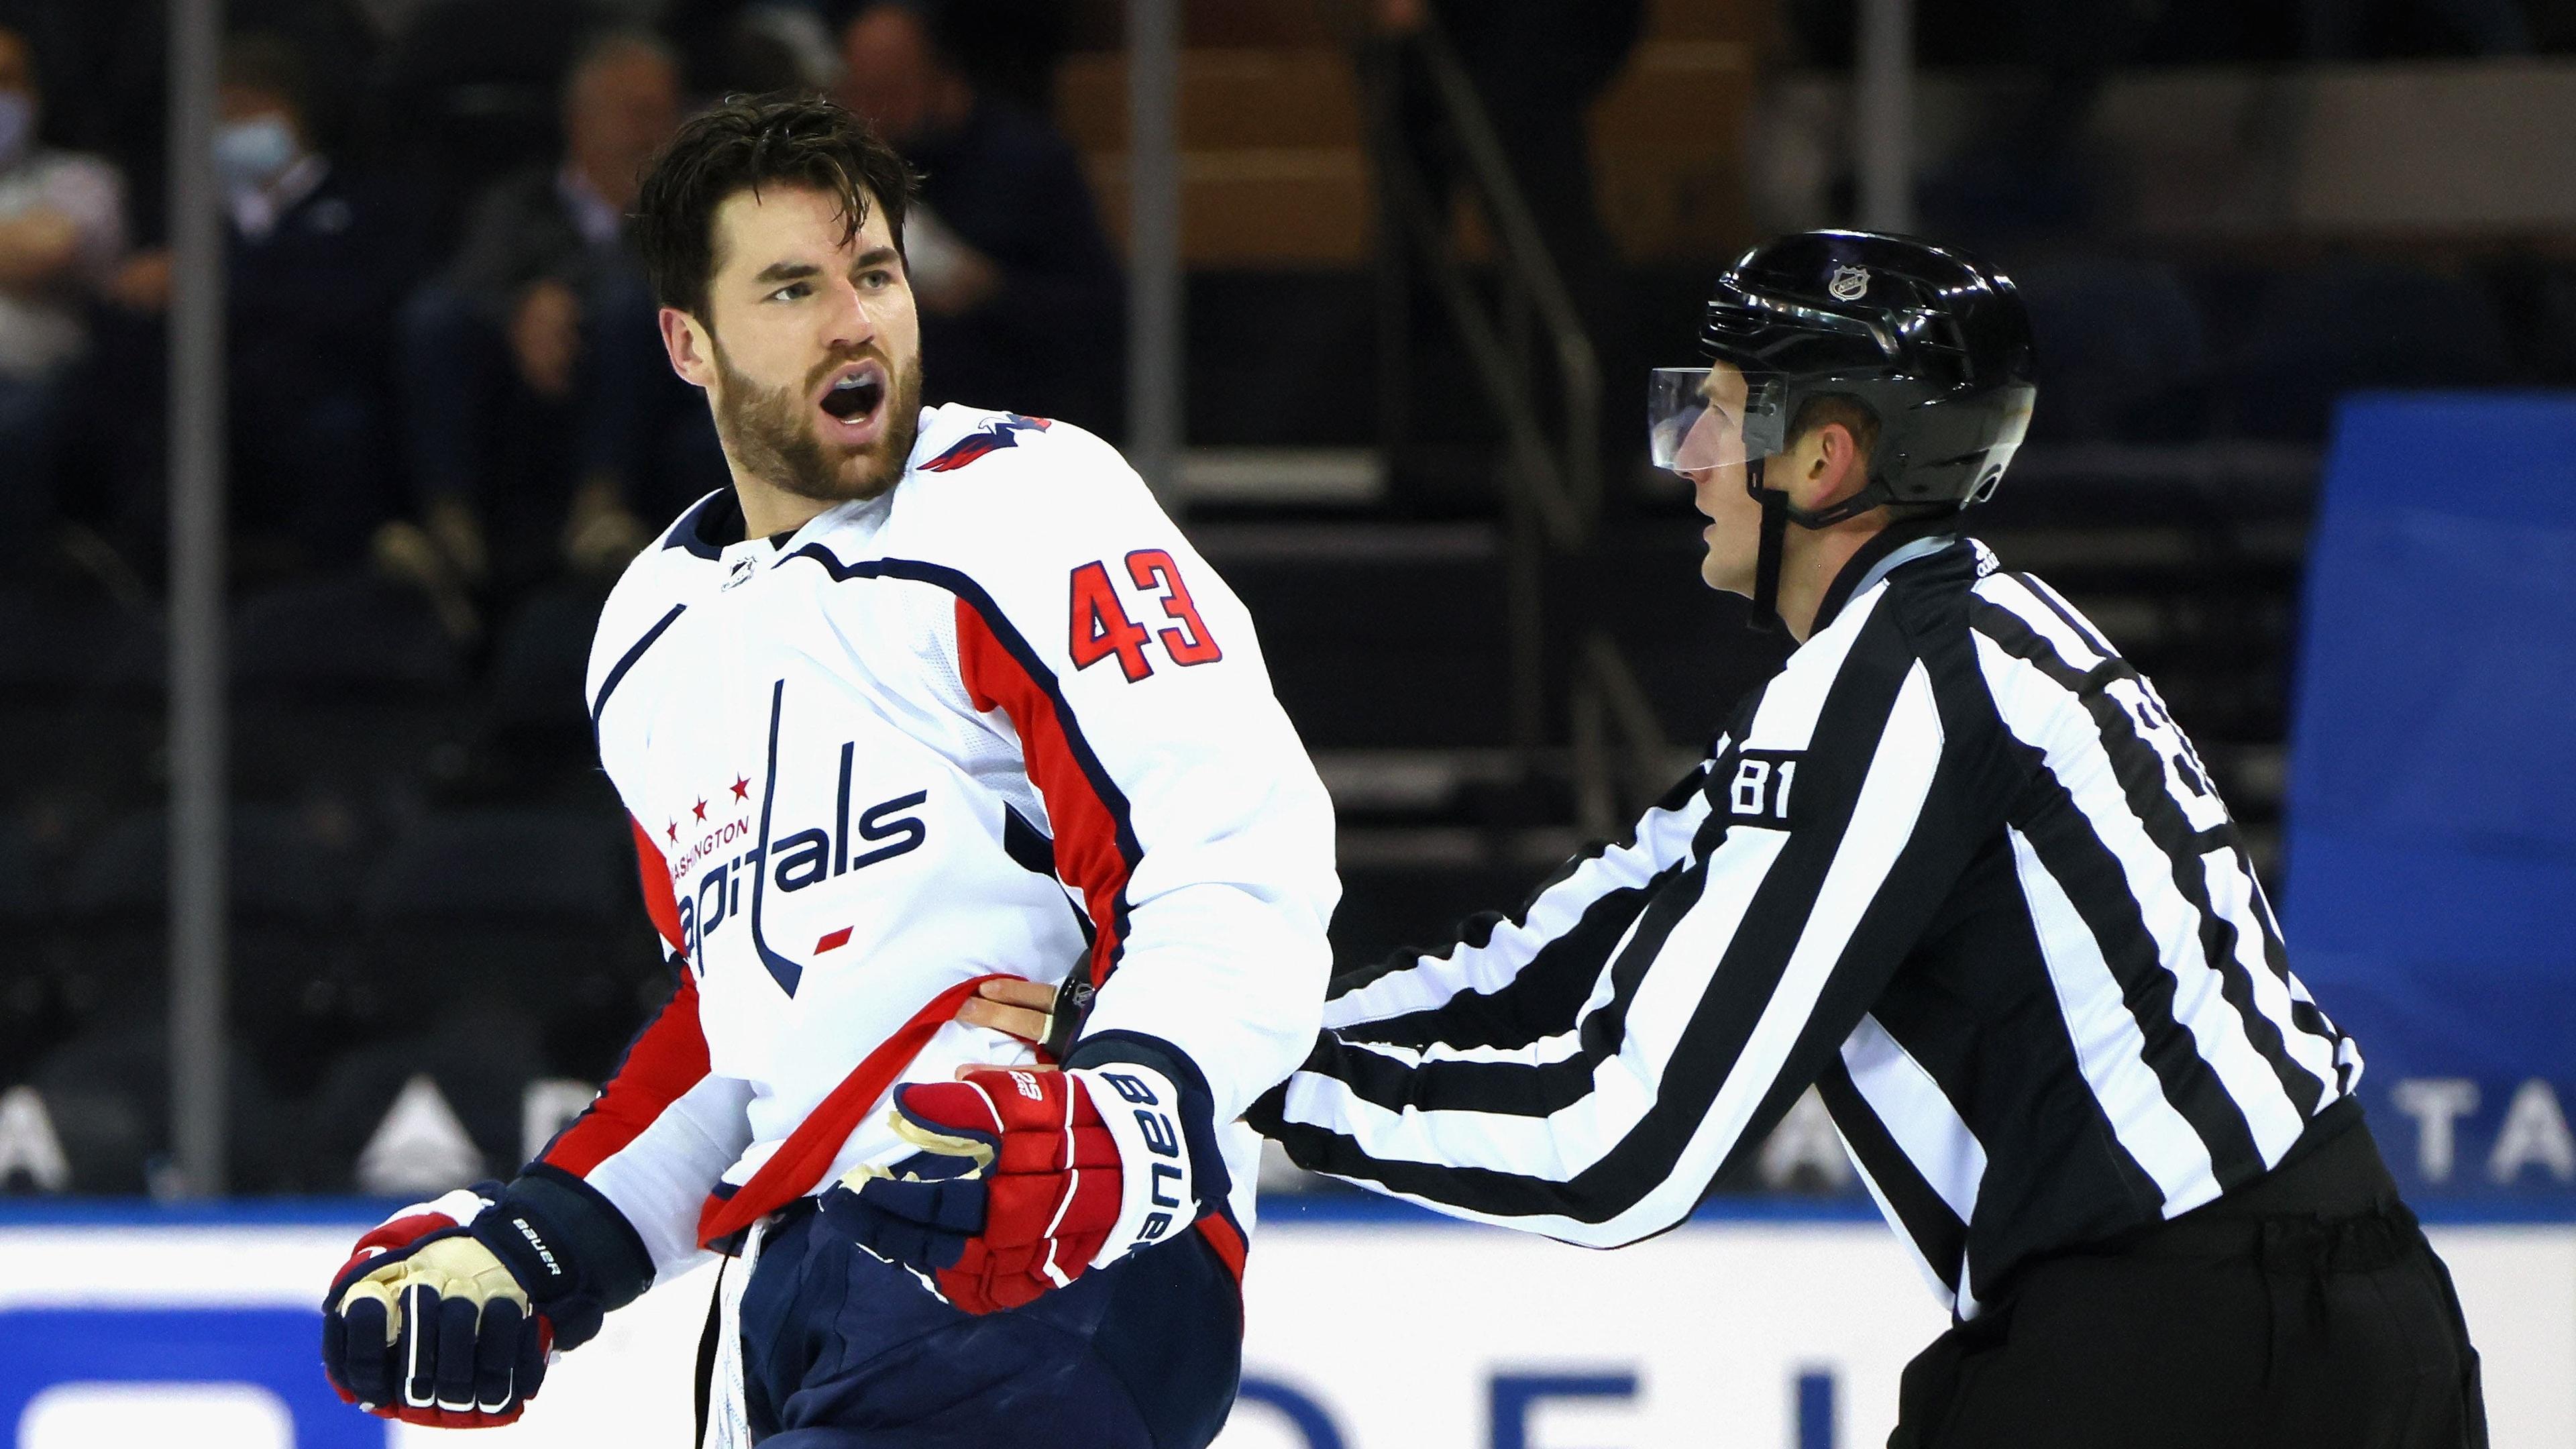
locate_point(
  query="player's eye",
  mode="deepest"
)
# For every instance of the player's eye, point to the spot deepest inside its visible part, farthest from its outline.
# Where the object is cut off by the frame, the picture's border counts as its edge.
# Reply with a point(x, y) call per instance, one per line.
point(877, 280)
point(793, 291)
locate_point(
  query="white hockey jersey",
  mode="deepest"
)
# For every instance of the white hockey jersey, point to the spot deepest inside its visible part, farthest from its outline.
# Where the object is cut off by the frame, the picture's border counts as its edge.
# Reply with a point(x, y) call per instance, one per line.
point(1001, 718)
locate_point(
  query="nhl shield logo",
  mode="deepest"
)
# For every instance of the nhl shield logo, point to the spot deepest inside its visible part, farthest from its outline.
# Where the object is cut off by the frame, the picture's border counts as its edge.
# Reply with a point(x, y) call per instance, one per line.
point(1848, 283)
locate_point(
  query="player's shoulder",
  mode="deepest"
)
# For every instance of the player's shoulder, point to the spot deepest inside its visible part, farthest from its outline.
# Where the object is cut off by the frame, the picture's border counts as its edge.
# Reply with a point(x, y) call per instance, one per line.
point(656, 586)
point(973, 468)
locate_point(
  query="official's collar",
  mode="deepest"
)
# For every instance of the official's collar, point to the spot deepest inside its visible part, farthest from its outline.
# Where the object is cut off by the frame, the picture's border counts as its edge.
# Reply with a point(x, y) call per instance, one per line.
point(1890, 549)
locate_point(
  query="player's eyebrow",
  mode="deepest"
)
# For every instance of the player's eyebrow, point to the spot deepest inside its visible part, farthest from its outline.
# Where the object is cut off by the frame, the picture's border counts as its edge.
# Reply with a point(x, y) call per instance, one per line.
point(787, 272)
point(873, 257)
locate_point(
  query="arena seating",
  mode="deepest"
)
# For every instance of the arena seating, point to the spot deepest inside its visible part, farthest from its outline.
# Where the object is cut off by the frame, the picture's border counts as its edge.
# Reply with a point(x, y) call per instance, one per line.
point(414, 812)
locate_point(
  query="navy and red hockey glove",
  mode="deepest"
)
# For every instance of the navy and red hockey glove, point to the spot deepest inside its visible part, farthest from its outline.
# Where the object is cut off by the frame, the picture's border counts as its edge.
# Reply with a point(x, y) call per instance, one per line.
point(445, 1313)
point(1025, 1179)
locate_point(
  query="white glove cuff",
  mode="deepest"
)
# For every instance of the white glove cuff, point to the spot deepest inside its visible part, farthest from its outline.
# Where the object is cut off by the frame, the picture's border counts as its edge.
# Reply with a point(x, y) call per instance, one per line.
point(1157, 1195)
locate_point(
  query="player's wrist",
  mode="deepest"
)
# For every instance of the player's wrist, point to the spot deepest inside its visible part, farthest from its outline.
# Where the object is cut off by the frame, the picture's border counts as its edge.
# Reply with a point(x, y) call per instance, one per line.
point(1141, 1109)
point(569, 1247)
point(1196, 1107)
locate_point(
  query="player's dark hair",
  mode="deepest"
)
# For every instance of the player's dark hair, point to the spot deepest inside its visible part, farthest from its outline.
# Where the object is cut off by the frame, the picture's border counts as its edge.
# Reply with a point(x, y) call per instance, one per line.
point(743, 145)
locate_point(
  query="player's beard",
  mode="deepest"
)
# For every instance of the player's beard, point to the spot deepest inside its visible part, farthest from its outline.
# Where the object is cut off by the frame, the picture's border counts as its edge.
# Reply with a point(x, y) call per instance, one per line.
point(770, 433)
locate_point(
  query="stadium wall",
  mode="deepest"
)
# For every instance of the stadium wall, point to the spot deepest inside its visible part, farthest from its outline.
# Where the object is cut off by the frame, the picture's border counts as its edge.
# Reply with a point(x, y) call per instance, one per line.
point(1371, 1327)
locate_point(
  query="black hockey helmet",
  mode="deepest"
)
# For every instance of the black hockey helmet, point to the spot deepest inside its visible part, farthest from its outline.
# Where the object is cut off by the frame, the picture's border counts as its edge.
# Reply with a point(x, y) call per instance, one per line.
point(1937, 346)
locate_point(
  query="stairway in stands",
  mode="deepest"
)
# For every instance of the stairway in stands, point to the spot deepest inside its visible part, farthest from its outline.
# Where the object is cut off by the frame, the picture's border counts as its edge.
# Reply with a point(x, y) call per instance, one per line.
point(1381, 600)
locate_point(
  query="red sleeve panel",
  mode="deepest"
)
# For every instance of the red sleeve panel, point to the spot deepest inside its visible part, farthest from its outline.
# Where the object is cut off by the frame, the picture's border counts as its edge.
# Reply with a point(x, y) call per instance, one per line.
point(1095, 844)
point(666, 1059)
point(659, 902)
point(663, 1062)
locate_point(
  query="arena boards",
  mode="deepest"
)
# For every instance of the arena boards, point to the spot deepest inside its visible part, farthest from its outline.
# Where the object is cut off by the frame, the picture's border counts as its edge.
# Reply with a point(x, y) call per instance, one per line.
point(1370, 1328)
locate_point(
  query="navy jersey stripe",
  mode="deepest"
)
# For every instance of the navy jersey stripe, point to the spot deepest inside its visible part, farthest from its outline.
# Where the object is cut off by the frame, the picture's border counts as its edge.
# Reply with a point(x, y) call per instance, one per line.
point(1113, 801)
point(627, 661)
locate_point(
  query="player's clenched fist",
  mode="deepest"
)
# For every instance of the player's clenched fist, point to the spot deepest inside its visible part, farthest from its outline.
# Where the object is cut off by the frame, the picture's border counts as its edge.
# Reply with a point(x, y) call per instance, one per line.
point(1025, 1179)
point(445, 1314)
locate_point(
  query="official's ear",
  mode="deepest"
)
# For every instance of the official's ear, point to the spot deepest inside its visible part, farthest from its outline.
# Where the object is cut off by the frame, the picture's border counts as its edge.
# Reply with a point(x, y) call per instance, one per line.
point(1829, 467)
point(691, 348)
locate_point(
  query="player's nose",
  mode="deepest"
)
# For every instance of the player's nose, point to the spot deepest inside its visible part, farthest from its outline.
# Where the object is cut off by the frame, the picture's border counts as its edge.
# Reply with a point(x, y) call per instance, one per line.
point(848, 320)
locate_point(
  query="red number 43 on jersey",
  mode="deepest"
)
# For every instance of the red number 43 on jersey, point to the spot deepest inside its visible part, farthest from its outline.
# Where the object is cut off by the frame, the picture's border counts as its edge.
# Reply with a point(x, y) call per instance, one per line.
point(1102, 626)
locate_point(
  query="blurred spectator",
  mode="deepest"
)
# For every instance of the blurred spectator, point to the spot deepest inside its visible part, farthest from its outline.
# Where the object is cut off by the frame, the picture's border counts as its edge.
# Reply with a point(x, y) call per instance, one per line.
point(472, 91)
point(113, 60)
point(313, 276)
point(62, 229)
point(541, 416)
point(1020, 293)
point(749, 47)
point(1007, 48)
point(315, 266)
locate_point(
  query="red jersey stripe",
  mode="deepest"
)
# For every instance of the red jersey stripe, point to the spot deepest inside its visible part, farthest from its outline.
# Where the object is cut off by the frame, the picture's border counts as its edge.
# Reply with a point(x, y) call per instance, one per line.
point(797, 1167)
point(665, 1061)
point(659, 902)
point(1094, 850)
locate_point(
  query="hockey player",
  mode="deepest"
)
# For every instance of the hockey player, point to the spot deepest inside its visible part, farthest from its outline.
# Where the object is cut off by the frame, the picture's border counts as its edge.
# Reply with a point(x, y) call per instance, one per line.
point(928, 698)
point(1958, 868)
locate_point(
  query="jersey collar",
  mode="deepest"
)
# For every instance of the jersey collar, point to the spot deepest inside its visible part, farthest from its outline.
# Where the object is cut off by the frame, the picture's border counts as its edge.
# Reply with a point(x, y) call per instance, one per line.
point(714, 525)
point(1892, 548)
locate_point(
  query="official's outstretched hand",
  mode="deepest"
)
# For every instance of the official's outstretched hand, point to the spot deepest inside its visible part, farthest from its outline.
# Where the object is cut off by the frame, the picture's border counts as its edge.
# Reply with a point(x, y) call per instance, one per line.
point(1025, 1179)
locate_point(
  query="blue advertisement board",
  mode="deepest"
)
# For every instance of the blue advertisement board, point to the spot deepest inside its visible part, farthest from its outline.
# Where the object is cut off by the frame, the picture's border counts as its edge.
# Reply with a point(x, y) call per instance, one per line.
point(2431, 891)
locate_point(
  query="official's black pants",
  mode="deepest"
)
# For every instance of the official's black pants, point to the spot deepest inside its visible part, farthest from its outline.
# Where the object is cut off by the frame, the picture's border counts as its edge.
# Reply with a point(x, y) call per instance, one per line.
point(2305, 1309)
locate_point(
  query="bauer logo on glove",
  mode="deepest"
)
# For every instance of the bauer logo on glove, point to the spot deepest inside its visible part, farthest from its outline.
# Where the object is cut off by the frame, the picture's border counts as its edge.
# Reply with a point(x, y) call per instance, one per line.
point(1024, 1180)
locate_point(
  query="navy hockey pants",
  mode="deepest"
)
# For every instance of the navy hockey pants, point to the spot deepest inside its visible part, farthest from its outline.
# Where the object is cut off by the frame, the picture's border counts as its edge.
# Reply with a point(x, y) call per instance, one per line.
point(842, 1350)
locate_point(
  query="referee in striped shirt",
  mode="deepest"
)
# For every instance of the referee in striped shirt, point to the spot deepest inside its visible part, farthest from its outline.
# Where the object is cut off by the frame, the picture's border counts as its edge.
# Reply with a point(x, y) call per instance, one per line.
point(1957, 867)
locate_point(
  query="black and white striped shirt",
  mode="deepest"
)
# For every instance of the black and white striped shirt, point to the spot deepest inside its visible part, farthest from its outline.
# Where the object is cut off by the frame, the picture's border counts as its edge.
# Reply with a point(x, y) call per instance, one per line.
point(1955, 865)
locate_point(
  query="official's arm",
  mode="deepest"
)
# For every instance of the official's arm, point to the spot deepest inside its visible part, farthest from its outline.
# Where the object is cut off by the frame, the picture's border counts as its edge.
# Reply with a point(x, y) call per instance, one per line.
point(1586, 1071)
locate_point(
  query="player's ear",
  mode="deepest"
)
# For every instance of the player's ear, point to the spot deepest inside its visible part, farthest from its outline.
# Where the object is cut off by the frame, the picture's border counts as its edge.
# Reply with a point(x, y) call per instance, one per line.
point(691, 349)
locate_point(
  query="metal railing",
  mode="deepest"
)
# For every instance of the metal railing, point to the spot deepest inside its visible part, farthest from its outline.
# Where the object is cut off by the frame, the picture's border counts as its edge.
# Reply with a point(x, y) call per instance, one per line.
point(1512, 312)
point(198, 973)
point(1560, 478)
point(1622, 761)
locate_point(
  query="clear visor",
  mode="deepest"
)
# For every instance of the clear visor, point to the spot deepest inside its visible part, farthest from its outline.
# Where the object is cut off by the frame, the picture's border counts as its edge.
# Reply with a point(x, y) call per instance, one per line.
point(1684, 433)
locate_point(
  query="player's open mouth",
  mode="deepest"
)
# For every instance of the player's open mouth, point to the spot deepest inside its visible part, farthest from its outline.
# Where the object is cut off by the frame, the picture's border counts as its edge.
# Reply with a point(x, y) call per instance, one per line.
point(855, 401)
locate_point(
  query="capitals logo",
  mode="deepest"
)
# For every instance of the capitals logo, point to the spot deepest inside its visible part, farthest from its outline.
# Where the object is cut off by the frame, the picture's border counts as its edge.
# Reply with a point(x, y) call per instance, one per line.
point(785, 860)
point(1002, 432)
point(888, 828)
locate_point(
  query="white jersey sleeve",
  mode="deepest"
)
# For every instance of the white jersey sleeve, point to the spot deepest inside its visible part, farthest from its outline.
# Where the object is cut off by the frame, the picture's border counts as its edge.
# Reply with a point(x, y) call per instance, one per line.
point(664, 1127)
point(1182, 806)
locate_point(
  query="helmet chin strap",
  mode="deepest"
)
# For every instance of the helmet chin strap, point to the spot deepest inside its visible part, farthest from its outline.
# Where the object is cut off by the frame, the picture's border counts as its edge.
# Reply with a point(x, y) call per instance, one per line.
point(1777, 515)
point(1766, 559)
